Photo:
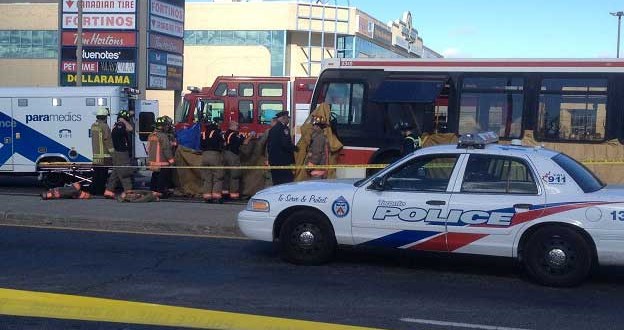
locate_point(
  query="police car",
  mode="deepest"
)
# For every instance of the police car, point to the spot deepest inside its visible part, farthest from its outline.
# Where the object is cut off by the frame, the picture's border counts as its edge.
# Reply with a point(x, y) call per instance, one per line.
point(478, 197)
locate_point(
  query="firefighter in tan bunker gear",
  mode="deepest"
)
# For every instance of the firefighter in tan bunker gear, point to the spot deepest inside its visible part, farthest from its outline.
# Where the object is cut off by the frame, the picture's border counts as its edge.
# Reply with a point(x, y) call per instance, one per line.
point(318, 150)
point(102, 146)
point(159, 158)
point(212, 145)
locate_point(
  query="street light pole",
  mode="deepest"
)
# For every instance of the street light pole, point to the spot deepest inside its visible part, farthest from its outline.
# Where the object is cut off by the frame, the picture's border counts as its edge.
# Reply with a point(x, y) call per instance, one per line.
point(619, 15)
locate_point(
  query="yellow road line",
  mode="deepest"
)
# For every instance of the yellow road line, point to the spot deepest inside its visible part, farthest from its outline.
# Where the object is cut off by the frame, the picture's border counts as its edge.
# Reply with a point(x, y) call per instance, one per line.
point(114, 231)
point(61, 306)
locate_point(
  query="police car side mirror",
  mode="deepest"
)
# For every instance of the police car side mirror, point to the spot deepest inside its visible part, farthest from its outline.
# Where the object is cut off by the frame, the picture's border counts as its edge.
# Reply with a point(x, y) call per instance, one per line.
point(378, 184)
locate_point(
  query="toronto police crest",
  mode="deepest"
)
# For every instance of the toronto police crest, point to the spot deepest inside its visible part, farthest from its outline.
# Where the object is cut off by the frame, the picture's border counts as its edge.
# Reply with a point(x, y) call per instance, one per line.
point(340, 207)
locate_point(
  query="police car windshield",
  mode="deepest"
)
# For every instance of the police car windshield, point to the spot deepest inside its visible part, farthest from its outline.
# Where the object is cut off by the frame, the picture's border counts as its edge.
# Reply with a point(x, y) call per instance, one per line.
point(581, 175)
point(359, 183)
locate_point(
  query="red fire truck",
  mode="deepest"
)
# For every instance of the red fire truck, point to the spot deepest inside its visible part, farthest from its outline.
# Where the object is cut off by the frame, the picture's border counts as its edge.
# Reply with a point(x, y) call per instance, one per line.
point(250, 101)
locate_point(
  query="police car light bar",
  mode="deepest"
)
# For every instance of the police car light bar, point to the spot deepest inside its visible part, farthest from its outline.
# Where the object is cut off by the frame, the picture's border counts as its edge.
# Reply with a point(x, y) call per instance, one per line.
point(477, 140)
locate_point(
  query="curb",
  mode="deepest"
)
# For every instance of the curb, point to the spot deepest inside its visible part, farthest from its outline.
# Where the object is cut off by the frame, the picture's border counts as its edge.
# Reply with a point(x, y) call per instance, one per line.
point(127, 225)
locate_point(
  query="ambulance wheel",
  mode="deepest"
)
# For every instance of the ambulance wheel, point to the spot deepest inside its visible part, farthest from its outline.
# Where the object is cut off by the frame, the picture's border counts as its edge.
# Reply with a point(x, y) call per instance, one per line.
point(54, 180)
point(306, 238)
point(558, 256)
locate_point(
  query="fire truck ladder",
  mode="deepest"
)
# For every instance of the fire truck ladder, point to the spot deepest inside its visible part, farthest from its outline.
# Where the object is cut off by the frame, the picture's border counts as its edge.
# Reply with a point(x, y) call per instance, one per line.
point(332, 14)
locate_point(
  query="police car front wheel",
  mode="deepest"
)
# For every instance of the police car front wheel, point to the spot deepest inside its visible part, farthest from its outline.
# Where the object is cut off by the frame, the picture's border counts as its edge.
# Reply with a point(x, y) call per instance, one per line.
point(558, 256)
point(307, 239)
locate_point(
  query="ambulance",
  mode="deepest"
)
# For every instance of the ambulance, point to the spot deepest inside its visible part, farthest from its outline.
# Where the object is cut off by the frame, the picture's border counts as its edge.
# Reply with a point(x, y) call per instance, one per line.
point(479, 197)
point(40, 126)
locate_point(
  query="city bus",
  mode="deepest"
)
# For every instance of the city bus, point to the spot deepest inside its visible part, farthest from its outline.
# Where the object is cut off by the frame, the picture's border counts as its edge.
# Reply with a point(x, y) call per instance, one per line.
point(571, 105)
point(250, 101)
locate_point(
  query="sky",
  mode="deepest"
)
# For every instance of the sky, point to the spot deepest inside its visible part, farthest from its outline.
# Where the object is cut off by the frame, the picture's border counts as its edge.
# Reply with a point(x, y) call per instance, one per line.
point(507, 28)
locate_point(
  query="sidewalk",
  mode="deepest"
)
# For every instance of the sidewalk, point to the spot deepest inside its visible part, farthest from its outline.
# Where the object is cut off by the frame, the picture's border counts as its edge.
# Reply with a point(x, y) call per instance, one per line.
point(157, 217)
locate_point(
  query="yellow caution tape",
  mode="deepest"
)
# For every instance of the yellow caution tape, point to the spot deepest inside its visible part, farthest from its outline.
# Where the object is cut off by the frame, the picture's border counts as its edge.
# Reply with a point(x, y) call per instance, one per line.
point(70, 307)
point(77, 166)
point(52, 165)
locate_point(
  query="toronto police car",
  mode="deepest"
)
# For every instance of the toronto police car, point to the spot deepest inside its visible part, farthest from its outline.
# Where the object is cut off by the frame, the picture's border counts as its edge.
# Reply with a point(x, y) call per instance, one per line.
point(530, 203)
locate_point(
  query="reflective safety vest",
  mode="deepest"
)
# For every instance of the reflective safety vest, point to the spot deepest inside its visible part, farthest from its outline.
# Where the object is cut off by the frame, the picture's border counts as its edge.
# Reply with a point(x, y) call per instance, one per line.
point(101, 142)
point(417, 141)
point(159, 152)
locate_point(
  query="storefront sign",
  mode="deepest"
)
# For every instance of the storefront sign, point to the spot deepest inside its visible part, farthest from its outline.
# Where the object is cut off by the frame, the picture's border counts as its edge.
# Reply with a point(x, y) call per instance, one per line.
point(101, 21)
point(166, 10)
point(158, 69)
point(99, 79)
point(71, 66)
point(101, 54)
point(166, 26)
point(168, 44)
point(165, 58)
point(165, 65)
point(117, 67)
point(100, 6)
point(156, 82)
point(100, 39)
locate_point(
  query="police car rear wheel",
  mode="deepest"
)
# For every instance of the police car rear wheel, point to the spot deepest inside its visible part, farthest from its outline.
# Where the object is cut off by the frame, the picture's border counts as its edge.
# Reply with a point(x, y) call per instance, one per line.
point(558, 256)
point(307, 239)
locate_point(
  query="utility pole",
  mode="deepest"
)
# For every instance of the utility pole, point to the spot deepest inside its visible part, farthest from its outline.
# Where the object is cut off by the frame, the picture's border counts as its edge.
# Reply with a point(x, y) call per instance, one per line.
point(79, 46)
point(619, 15)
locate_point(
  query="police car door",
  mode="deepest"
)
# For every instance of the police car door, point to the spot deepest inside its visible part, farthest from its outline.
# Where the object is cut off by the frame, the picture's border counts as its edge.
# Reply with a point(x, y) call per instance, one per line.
point(494, 195)
point(406, 206)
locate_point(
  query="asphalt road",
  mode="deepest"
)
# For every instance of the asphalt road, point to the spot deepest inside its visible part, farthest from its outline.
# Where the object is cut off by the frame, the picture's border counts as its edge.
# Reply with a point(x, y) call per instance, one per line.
point(366, 287)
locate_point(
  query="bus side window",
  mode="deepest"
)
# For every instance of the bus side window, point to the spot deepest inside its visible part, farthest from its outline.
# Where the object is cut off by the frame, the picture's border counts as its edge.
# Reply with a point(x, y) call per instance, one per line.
point(345, 101)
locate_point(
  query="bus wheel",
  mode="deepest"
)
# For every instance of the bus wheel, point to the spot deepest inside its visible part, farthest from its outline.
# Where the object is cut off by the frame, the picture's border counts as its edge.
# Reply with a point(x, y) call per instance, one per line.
point(54, 180)
point(307, 239)
point(557, 256)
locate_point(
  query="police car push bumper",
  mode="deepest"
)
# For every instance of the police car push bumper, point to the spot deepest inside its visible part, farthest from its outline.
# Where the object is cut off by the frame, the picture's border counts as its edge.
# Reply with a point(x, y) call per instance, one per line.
point(478, 197)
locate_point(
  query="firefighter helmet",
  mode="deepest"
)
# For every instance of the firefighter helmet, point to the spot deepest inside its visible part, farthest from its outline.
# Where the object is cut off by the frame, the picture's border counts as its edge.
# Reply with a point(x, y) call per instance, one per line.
point(160, 122)
point(123, 114)
point(102, 111)
point(318, 120)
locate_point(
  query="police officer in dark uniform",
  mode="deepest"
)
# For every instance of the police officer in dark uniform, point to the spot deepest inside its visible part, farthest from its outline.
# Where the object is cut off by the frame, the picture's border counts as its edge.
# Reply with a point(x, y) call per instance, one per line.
point(280, 149)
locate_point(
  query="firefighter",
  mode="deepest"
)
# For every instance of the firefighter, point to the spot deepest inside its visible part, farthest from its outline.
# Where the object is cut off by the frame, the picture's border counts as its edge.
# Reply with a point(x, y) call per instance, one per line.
point(160, 156)
point(121, 156)
point(212, 144)
point(231, 157)
point(280, 149)
point(170, 130)
point(411, 138)
point(102, 150)
point(318, 150)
